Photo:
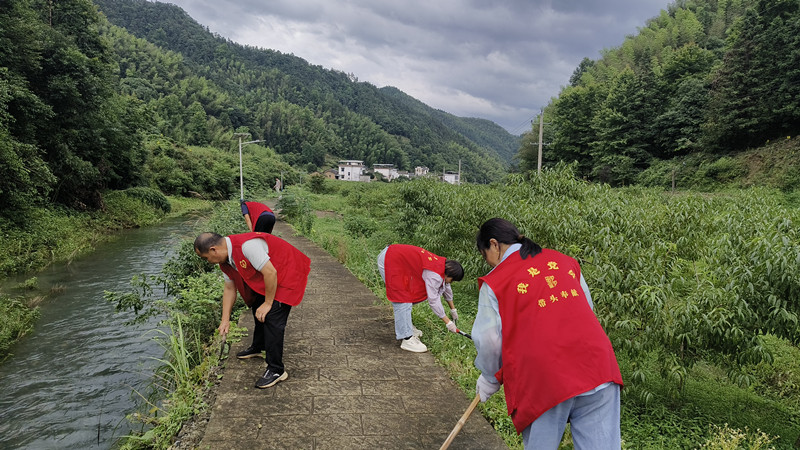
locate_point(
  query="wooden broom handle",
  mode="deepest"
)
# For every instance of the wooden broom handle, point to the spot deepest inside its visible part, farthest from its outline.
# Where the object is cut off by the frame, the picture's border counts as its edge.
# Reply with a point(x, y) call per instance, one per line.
point(461, 422)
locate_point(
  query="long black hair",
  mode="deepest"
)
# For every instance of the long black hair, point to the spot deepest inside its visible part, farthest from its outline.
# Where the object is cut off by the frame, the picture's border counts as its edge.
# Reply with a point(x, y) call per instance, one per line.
point(505, 232)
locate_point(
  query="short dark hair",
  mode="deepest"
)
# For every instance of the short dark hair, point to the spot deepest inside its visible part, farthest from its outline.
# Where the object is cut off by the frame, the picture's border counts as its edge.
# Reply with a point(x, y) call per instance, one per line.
point(453, 269)
point(204, 241)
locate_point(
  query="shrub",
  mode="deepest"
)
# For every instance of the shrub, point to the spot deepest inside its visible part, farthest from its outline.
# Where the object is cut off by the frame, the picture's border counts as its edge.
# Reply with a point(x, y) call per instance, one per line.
point(316, 183)
point(296, 208)
point(150, 196)
point(17, 321)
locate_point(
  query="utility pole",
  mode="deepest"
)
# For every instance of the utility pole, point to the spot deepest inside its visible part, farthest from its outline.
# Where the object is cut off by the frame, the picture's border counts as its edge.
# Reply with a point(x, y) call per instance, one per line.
point(459, 172)
point(541, 133)
point(541, 139)
point(241, 178)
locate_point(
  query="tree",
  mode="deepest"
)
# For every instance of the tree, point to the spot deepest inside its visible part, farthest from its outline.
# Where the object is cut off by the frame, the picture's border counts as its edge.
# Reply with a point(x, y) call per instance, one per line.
point(756, 91)
point(621, 131)
point(573, 114)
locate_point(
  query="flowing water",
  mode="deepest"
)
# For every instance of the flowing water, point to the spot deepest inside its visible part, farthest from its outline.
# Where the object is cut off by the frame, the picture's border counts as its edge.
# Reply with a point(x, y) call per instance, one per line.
point(72, 380)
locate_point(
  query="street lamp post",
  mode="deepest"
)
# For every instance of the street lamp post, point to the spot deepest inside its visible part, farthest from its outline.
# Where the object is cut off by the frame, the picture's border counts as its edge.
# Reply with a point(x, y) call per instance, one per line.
point(241, 178)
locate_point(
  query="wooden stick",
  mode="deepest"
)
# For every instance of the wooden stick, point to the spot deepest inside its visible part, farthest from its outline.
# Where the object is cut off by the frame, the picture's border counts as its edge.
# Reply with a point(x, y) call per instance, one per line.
point(461, 422)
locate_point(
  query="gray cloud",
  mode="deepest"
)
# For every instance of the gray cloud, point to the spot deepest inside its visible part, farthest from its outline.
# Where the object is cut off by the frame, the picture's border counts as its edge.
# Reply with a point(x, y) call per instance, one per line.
point(498, 60)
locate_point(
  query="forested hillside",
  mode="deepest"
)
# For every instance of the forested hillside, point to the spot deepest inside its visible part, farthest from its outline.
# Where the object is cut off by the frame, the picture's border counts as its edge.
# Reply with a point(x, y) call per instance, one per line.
point(703, 80)
point(85, 107)
point(305, 112)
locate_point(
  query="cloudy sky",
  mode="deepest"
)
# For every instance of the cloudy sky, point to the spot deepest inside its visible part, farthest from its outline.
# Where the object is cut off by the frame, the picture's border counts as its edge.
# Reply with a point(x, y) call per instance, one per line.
point(500, 60)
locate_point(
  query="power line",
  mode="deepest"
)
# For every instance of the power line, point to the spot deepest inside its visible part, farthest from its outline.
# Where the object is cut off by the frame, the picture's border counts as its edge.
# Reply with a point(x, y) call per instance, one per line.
point(518, 127)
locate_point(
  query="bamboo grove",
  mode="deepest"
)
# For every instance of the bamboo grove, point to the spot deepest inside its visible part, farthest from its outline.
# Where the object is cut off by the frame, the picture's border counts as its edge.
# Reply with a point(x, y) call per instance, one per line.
point(678, 280)
point(684, 276)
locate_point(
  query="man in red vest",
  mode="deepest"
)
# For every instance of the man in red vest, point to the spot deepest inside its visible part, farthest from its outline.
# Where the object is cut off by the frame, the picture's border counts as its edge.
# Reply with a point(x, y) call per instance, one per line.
point(537, 335)
point(413, 274)
point(271, 276)
point(258, 216)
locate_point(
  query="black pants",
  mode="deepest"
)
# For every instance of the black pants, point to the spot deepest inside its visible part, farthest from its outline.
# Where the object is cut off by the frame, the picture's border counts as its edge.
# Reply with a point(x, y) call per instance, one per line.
point(265, 223)
point(268, 335)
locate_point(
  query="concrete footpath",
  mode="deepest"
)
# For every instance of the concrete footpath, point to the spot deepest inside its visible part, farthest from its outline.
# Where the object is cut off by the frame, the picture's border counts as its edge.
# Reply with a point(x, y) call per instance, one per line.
point(350, 385)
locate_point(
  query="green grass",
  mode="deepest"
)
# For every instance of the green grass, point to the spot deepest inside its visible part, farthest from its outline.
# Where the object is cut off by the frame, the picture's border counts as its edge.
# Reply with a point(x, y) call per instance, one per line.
point(18, 320)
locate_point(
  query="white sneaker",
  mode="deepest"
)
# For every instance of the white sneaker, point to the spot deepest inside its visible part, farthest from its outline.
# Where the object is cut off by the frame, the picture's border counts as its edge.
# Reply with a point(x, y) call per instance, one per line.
point(416, 332)
point(413, 344)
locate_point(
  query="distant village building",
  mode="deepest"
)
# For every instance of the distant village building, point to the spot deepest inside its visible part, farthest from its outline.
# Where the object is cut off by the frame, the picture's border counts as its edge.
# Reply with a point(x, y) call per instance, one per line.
point(330, 174)
point(388, 171)
point(420, 171)
point(451, 177)
point(351, 170)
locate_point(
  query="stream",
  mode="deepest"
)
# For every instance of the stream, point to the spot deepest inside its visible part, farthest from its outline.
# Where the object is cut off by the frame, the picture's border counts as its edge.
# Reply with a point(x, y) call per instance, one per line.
point(71, 381)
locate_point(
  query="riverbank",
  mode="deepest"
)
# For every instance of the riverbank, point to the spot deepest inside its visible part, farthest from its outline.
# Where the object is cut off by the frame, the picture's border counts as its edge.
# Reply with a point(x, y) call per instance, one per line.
point(71, 382)
point(56, 235)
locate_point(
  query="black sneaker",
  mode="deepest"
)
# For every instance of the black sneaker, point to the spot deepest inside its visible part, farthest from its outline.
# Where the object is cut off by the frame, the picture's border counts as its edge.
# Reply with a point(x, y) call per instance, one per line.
point(270, 379)
point(249, 352)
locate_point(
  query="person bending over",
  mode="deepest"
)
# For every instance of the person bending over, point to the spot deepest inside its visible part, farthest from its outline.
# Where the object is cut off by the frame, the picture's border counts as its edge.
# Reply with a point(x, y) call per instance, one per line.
point(413, 274)
point(271, 276)
point(258, 216)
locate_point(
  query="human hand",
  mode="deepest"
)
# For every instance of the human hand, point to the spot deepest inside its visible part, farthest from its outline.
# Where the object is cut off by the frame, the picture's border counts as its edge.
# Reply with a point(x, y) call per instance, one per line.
point(454, 315)
point(451, 327)
point(262, 311)
point(244, 207)
point(486, 388)
point(224, 327)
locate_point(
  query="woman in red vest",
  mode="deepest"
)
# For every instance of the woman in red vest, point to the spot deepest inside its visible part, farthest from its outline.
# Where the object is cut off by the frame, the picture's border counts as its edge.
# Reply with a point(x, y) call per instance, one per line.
point(413, 274)
point(537, 335)
point(271, 276)
point(259, 217)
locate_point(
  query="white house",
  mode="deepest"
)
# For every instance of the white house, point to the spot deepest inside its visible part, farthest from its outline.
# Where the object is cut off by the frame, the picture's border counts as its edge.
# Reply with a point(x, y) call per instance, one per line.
point(420, 171)
point(387, 170)
point(350, 170)
point(451, 177)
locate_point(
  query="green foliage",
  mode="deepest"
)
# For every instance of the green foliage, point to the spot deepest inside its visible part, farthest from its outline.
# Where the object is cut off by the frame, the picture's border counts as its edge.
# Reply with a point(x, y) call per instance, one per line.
point(316, 183)
point(18, 320)
point(780, 378)
point(704, 78)
point(192, 312)
point(202, 90)
point(294, 205)
point(358, 225)
point(41, 236)
point(29, 284)
point(150, 196)
point(726, 438)
point(127, 209)
point(199, 171)
point(180, 377)
point(678, 281)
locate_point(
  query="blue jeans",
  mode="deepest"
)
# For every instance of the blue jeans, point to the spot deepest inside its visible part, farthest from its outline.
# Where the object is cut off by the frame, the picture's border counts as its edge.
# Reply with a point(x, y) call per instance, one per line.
point(403, 327)
point(594, 422)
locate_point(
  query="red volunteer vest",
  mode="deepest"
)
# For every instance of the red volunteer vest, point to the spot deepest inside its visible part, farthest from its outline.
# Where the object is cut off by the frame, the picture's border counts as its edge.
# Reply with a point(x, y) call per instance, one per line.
point(553, 345)
point(292, 266)
point(403, 266)
point(255, 209)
